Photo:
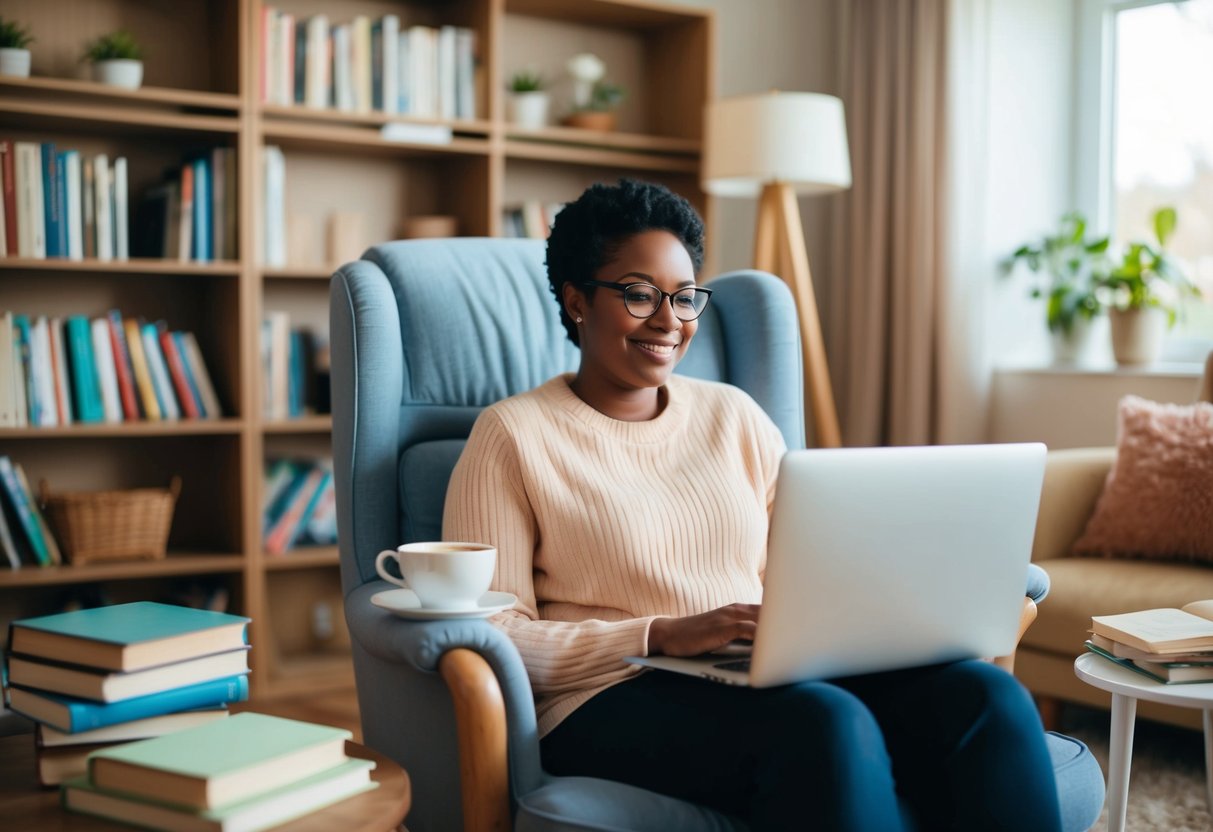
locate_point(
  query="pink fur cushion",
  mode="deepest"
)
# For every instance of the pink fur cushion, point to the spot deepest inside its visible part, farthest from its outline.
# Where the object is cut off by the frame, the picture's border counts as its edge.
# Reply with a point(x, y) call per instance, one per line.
point(1158, 498)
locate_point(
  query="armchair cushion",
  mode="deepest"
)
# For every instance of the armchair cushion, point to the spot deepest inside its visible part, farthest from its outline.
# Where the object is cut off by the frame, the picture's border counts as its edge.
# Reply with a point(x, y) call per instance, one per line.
point(1079, 781)
point(580, 804)
point(1158, 499)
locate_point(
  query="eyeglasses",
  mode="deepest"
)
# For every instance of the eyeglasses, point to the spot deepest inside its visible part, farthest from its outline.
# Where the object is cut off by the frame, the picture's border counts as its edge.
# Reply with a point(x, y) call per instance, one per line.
point(642, 300)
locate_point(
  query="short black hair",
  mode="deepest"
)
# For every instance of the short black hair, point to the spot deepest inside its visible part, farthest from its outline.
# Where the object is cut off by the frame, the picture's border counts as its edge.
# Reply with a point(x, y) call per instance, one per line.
point(588, 232)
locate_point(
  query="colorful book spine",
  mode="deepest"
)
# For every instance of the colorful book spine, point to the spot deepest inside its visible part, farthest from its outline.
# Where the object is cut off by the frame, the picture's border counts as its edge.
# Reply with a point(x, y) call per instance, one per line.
point(122, 367)
point(143, 374)
point(292, 521)
point(202, 211)
point(8, 170)
point(178, 339)
point(21, 344)
point(89, 408)
point(176, 370)
point(52, 210)
point(22, 508)
point(160, 376)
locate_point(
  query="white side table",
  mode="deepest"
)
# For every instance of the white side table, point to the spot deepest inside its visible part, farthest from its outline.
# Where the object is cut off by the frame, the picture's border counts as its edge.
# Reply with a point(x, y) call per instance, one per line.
point(1126, 688)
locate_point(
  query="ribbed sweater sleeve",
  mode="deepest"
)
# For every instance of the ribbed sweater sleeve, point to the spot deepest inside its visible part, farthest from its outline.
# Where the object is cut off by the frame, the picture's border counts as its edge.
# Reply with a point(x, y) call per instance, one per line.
point(602, 525)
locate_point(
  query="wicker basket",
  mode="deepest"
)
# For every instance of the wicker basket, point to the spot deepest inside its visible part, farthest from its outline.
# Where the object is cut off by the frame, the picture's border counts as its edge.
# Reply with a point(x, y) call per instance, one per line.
point(100, 526)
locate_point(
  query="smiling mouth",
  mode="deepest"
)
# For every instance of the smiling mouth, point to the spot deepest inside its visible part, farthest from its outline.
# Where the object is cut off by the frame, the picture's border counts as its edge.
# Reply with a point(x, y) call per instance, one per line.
point(656, 349)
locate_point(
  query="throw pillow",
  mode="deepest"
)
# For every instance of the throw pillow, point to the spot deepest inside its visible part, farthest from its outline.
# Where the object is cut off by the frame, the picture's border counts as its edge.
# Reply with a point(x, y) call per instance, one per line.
point(1158, 499)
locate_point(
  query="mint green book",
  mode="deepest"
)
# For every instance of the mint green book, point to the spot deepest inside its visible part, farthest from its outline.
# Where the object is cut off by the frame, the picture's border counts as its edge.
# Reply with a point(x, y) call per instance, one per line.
point(272, 808)
point(126, 637)
point(221, 763)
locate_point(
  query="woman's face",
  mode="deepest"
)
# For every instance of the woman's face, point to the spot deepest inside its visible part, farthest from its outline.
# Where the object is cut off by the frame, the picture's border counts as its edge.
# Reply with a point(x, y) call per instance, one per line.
point(623, 351)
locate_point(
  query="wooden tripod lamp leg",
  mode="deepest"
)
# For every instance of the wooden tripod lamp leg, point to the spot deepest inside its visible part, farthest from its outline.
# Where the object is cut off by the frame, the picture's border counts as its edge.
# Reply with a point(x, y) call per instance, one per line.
point(778, 202)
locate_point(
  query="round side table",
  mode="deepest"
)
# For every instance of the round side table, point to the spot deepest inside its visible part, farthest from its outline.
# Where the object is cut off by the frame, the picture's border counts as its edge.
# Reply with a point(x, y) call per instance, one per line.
point(1126, 688)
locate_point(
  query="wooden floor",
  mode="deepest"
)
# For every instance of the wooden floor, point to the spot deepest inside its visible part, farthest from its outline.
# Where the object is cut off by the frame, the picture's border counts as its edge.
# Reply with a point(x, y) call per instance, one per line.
point(336, 708)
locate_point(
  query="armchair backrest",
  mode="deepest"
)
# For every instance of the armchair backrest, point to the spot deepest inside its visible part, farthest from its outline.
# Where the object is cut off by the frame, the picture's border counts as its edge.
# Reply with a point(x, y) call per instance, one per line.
point(427, 333)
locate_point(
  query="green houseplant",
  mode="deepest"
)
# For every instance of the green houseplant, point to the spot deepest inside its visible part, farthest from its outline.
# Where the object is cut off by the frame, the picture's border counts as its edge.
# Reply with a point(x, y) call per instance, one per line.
point(14, 54)
point(528, 102)
point(117, 59)
point(1143, 290)
point(598, 113)
point(1066, 264)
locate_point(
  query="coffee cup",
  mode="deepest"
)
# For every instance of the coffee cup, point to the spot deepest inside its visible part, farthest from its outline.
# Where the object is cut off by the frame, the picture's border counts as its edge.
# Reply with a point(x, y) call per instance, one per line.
point(445, 575)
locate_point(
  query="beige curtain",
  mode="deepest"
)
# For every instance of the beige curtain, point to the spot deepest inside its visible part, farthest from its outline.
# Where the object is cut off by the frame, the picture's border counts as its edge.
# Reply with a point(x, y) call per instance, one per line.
point(887, 293)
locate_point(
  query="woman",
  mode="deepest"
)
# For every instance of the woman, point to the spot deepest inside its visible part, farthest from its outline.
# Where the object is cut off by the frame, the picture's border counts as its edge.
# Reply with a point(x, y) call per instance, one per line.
point(629, 507)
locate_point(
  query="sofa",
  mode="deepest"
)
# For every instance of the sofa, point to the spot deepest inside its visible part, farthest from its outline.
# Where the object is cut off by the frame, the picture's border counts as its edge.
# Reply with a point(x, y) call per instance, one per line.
point(1081, 587)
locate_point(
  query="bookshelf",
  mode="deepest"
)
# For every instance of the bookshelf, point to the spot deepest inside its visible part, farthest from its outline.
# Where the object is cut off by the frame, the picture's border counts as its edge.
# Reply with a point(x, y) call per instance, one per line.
point(203, 72)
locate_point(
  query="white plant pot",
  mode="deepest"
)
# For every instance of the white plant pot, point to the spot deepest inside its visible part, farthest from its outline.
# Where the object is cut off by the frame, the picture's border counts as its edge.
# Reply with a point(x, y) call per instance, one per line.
point(1137, 334)
point(120, 72)
point(1073, 346)
point(529, 110)
point(14, 63)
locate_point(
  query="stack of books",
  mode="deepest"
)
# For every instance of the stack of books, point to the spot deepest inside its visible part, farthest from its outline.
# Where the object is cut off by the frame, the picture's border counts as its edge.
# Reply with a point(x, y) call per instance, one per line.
point(248, 772)
point(1172, 646)
point(96, 678)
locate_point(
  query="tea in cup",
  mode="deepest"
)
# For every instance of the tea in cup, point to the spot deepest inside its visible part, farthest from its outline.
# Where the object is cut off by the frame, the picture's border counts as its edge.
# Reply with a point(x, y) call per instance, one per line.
point(445, 575)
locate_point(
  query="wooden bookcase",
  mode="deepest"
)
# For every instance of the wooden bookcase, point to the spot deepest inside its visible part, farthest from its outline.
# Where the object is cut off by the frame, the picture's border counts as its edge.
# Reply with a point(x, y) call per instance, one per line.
point(201, 91)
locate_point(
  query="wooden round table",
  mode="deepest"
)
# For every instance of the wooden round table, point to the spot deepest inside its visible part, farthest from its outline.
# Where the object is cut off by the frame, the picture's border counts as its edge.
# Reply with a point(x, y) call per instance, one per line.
point(26, 807)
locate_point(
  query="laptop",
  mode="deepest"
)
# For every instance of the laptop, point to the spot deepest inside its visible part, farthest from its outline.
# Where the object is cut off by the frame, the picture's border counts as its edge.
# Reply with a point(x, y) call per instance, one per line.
point(886, 558)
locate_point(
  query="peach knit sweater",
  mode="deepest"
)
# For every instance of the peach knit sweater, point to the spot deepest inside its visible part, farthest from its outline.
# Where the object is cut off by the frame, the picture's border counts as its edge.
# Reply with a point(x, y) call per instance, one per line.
point(602, 525)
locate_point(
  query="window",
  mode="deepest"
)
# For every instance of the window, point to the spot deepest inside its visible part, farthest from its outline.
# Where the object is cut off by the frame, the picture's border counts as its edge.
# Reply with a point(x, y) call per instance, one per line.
point(1145, 136)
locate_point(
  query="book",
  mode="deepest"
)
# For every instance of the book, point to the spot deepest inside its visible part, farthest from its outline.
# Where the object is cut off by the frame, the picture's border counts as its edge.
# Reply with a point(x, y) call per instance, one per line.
point(85, 385)
point(22, 505)
point(295, 517)
point(1123, 651)
point(8, 545)
point(196, 367)
point(272, 808)
point(107, 374)
point(138, 729)
point(1146, 669)
point(122, 366)
point(142, 371)
point(103, 207)
point(222, 763)
point(75, 217)
point(121, 231)
point(126, 637)
point(58, 764)
point(1177, 672)
point(31, 218)
point(52, 546)
point(63, 379)
point(1161, 631)
point(191, 407)
point(100, 686)
point(73, 715)
point(8, 169)
point(8, 373)
point(51, 202)
point(161, 382)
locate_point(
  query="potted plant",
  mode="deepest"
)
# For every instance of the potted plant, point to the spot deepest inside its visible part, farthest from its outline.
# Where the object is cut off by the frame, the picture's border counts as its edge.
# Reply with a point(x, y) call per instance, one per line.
point(116, 59)
point(599, 112)
point(528, 100)
point(1144, 289)
point(14, 57)
point(1070, 263)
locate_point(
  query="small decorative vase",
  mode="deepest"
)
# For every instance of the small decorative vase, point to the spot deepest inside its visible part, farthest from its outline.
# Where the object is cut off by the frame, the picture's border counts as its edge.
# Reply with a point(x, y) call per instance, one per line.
point(590, 120)
point(1137, 334)
point(1071, 347)
point(529, 110)
point(120, 72)
point(14, 63)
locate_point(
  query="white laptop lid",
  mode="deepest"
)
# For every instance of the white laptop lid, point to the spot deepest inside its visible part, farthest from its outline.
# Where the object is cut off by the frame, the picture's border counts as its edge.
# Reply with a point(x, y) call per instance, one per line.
point(881, 558)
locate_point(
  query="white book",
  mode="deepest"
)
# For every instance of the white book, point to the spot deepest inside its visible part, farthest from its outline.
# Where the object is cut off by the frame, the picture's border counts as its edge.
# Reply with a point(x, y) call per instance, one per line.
point(316, 63)
point(44, 373)
point(103, 208)
point(343, 86)
point(202, 378)
point(397, 131)
point(279, 336)
point(75, 214)
point(159, 371)
point(391, 59)
point(107, 374)
point(421, 71)
point(269, 60)
point(360, 62)
point(31, 216)
point(404, 74)
point(122, 238)
point(63, 382)
point(275, 206)
point(285, 75)
point(465, 73)
point(8, 396)
point(446, 72)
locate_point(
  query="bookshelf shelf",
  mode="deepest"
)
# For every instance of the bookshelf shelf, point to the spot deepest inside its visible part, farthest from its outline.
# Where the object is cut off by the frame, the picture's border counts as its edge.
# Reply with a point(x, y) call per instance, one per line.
point(173, 565)
point(304, 424)
point(139, 266)
point(205, 97)
point(186, 427)
point(67, 88)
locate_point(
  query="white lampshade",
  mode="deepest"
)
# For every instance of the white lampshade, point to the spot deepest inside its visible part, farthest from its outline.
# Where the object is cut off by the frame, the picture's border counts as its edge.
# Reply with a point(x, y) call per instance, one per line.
point(795, 137)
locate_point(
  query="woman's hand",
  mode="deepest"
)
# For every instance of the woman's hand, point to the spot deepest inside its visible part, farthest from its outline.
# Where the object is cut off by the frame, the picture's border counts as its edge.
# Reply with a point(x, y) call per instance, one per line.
point(703, 633)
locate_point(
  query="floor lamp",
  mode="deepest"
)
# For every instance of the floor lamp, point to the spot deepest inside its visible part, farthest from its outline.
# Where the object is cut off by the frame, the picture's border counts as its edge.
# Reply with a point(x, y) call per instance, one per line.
point(776, 146)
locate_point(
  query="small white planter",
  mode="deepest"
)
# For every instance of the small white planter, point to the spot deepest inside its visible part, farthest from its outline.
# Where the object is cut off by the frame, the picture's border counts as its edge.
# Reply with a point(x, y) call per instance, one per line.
point(123, 73)
point(14, 63)
point(1072, 347)
point(1137, 334)
point(529, 110)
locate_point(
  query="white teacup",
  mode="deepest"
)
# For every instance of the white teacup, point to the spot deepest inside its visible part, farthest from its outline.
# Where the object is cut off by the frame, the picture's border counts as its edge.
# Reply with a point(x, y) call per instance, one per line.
point(445, 575)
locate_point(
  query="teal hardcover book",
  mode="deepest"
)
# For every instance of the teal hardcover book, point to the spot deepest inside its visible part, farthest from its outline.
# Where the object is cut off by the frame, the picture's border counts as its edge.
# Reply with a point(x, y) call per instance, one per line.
point(292, 800)
point(221, 763)
point(126, 637)
point(72, 715)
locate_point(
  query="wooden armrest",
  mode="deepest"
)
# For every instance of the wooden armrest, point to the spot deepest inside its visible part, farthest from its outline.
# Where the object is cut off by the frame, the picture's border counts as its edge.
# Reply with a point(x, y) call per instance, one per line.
point(480, 720)
point(1026, 618)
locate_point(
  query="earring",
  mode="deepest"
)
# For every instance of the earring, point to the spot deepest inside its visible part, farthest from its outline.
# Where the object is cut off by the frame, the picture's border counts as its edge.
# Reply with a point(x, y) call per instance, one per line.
point(579, 319)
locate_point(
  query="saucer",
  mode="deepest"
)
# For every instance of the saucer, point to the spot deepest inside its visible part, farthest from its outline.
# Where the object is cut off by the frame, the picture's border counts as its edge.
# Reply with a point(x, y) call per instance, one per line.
point(404, 603)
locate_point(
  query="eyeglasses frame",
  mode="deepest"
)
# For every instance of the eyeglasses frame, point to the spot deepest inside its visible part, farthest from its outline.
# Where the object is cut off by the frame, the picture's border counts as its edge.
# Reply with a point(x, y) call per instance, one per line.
point(623, 287)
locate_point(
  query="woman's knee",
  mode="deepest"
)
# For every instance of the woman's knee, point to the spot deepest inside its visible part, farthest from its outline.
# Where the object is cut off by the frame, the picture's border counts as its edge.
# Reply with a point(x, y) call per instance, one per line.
point(821, 717)
point(996, 690)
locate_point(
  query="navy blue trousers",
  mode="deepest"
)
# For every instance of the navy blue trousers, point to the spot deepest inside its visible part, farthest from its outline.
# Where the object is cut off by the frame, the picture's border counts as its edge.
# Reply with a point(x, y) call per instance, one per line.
point(954, 746)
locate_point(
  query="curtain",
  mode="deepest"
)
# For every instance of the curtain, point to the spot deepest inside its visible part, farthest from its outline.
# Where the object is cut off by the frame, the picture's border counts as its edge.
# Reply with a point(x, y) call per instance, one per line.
point(893, 310)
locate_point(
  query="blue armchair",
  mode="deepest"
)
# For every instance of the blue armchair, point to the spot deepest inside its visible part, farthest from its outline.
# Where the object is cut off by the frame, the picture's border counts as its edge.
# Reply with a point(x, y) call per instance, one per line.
point(425, 334)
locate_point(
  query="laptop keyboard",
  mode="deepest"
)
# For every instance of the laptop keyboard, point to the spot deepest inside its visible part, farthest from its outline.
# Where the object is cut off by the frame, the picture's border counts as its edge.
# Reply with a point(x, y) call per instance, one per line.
point(740, 665)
